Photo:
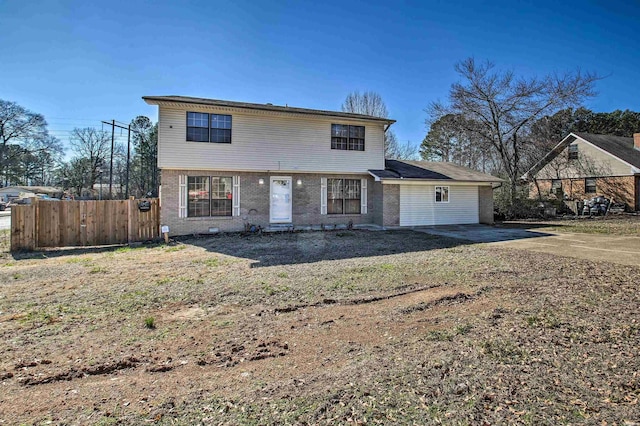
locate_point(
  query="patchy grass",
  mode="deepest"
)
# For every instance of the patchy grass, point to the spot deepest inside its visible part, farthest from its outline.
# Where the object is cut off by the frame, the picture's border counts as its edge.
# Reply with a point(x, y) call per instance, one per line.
point(317, 328)
point(212, 262)
point(150, 322)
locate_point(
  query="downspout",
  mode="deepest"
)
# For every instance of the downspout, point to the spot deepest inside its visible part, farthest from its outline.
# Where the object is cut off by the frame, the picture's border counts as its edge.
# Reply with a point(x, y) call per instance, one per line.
point(384, 132)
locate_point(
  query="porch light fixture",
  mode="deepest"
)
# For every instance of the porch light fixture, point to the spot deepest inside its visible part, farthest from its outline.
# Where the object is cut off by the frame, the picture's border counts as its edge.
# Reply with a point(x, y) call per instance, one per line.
point(299, 182)
point(261, 181)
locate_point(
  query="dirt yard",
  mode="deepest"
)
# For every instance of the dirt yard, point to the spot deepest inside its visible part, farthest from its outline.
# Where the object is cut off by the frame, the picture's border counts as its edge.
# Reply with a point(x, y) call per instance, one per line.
point(318, 328)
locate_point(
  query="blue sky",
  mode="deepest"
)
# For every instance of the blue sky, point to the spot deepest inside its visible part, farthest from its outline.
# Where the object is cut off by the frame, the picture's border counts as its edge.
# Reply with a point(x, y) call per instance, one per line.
point(80, 62)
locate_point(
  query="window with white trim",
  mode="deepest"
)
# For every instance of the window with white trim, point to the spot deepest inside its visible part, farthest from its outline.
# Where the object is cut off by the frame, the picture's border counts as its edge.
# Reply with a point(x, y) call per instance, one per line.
point(209, 196)
point(442, 194)
point(573, 152)
point(344, 196)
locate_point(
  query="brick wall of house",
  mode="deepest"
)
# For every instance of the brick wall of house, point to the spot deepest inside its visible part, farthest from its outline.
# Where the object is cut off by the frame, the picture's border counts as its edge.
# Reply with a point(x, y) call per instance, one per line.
point(375, 193)
point(621, 189)
point(391, 205)
point(485, 204)
point(254, 202)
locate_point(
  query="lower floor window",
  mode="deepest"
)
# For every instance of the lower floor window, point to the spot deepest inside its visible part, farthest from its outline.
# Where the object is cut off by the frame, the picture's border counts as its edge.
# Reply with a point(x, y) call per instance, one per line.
point(442, 194)
point(590, 185)
point(343, 196)
point(209, 196)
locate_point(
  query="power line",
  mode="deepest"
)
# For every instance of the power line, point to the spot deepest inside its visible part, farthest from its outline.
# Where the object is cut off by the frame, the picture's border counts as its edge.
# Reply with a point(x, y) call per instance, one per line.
point(129, 130)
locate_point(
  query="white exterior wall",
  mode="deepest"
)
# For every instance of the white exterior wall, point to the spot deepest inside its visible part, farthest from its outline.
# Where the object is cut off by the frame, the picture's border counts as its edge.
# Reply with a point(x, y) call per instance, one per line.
point(266, 141)
point(418, 206)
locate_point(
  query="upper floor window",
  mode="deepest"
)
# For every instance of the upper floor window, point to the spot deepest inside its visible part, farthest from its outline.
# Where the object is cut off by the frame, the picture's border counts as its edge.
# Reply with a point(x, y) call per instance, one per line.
point(556, 187)
point(203, 127)
point(573, 152)
point(347, 137)
point(442, 194)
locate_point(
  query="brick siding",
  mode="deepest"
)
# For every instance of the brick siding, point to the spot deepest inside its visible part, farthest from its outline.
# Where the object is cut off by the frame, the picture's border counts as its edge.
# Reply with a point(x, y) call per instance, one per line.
point(254, 202)
point(391, 205)
point(485, 204)
point(621, 189)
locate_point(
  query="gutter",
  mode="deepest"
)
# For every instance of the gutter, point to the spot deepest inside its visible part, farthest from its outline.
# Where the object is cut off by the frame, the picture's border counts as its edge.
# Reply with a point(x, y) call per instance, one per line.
point(402, 179)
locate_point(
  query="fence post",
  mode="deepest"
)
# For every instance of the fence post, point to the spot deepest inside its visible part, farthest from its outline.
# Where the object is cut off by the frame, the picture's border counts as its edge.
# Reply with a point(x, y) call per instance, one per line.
point(24, 227)
point(130, 225)
point(35, 225)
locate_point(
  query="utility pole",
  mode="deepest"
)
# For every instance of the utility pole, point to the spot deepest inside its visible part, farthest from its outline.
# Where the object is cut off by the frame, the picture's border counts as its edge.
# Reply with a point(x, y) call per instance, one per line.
point(128, 129)
point(113, 129)
point(128, 159)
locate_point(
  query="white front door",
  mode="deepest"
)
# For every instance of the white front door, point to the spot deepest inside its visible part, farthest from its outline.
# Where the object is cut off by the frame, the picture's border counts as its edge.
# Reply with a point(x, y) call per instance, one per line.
point(280, 211)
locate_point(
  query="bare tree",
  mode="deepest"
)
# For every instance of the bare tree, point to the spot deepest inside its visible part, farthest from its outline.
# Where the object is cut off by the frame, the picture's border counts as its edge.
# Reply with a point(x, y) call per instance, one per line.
point(504, 106)
point(406, 151)
point(17, 126)
point(46, 154)
point(367, 103)
point(74, 175)
point(93, 146)
point(371, 103)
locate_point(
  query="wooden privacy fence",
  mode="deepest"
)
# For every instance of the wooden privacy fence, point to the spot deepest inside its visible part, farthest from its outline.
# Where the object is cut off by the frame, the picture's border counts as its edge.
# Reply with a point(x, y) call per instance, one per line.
point(83, 223)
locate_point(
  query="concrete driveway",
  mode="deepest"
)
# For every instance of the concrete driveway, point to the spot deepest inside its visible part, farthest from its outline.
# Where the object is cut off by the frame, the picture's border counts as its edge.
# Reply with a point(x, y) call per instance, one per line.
point(612, 248)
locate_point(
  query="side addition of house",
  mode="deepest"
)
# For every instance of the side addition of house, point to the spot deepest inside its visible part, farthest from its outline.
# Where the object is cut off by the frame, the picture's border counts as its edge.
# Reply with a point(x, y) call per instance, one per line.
point(226, 165)
point(585, 165)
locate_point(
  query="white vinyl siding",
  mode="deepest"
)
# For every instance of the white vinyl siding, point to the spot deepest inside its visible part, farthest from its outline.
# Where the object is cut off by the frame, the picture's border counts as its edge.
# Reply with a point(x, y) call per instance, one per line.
point(267, 141)
point(418, 206)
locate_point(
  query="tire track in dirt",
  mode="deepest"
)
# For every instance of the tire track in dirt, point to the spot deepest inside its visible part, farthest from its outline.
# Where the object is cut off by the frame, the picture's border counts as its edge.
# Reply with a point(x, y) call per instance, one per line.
point(349, 321)
point(76, 373)
point(358, 301)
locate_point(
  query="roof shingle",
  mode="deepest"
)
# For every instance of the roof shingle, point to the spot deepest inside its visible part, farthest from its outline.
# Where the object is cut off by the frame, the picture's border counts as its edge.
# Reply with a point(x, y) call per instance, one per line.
point(618, 146)
point(431, 170)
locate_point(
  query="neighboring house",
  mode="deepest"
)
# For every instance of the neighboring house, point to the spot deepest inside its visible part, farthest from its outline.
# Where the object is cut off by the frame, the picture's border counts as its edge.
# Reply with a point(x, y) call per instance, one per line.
point(229, 164)
point(11, 192)
point(585, 165)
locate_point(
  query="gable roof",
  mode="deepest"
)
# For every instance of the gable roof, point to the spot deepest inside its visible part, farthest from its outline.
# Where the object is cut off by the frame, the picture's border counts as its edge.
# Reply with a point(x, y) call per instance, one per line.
point(430, 170)
point(617, 146)
point(156, 100)
point(620, 147)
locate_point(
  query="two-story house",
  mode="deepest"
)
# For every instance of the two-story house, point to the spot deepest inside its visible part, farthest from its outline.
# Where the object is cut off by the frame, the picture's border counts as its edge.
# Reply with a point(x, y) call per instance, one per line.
point(227, 164)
